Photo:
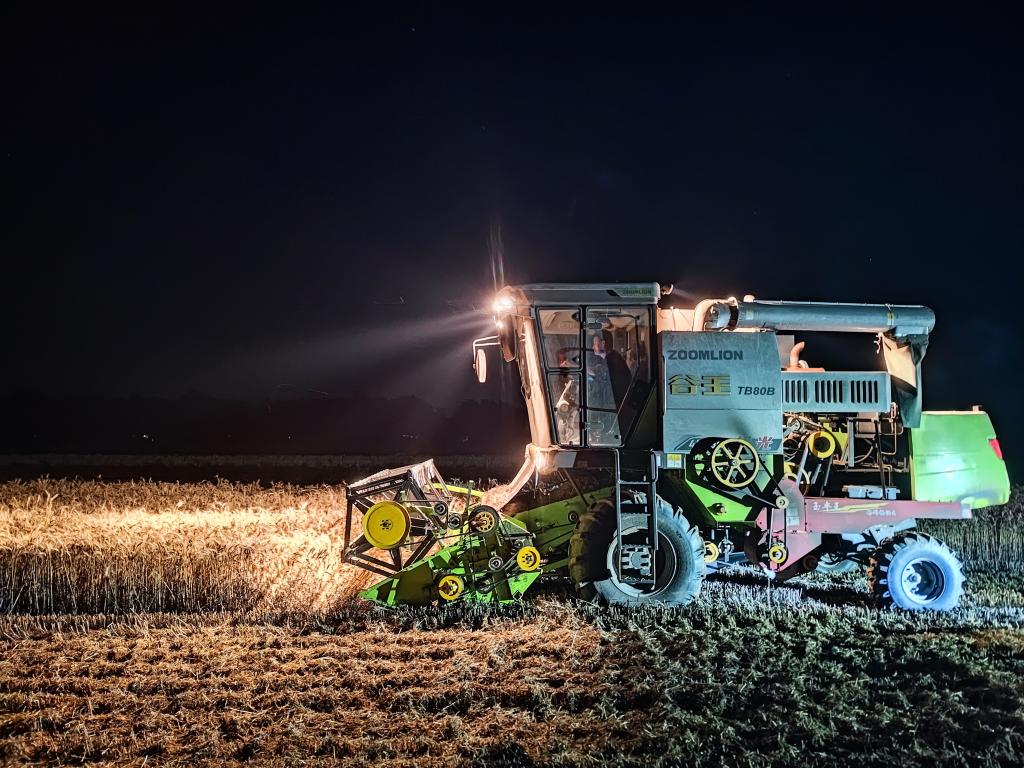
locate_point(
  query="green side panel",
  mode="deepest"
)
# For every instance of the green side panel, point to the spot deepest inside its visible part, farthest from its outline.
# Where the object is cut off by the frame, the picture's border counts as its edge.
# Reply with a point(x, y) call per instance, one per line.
point(467, 558)
point(701, 504)
point(730, 511)
point(953, 460)
point(550, 524)
point(412, 586)
point(415, 586)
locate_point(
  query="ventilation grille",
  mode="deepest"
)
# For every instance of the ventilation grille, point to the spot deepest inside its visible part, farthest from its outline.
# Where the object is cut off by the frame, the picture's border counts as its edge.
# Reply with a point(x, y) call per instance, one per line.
point(840, 392)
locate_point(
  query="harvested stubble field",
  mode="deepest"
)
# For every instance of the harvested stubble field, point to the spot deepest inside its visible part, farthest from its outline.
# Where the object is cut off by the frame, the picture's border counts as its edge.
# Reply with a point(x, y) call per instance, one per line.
point(210, 624)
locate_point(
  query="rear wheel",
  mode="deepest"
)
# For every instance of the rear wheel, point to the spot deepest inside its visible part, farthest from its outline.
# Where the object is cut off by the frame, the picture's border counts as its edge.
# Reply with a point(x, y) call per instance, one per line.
point(915, 571)
point(679, 562)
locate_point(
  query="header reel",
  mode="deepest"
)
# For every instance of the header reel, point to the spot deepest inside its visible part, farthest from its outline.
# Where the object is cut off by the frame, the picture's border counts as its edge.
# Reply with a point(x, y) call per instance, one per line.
point(405, 511)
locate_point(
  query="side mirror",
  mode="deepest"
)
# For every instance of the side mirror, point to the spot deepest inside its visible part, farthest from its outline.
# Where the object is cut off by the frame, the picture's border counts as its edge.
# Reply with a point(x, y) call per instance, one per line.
point(480, 365)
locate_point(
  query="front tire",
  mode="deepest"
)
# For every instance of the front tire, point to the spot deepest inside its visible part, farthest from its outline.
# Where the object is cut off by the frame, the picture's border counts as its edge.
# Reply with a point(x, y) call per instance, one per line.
point(679, 564)
point(916, 572)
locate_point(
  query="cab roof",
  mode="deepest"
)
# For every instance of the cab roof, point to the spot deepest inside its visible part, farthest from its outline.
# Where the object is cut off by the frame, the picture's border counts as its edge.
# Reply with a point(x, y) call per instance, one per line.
point(549, 294)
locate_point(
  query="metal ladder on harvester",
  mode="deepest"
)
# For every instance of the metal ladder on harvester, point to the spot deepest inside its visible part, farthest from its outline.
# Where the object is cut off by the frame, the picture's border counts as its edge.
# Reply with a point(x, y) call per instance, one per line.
point(637, 560)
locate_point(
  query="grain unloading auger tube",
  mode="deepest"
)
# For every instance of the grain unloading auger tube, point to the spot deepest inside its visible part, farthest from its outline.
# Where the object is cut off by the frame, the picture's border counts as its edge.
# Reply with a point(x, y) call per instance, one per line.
point(666, 441)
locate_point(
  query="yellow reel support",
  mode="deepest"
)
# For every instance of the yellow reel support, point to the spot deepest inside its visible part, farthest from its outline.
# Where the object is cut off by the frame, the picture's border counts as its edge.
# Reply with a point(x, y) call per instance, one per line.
point(450, 587)
point(528, 559)
point(711, 552)
point(457, 489)
point(386, 524)
point(735, 463)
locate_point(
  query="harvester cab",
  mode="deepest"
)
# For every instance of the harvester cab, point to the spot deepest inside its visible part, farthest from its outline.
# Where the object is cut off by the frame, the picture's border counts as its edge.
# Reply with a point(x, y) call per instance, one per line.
point(667, 440)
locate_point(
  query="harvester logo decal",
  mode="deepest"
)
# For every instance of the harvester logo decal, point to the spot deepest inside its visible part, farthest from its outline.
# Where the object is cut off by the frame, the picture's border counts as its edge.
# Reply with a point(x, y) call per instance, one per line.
point(644, 293)
point(704, 354)
point(878, 509)
point(690, 384)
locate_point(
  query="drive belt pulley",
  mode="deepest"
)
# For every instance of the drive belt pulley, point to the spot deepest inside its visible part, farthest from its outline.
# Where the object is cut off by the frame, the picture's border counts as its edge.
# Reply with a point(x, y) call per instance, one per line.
point(734, 463)
point(732, 466)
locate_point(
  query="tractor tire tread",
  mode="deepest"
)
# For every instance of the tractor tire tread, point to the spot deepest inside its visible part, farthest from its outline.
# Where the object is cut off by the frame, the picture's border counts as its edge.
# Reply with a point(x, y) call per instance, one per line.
point(588, 556)
point(881, 565)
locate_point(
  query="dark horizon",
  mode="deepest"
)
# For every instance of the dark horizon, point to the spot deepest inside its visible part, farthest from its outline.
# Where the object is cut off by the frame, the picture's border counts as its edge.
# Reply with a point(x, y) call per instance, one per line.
point(246, 203)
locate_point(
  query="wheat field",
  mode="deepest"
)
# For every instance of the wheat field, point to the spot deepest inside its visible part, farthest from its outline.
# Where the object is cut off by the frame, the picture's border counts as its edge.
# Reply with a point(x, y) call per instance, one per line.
point(70, 546)
point(214, 623)
point(82, 546)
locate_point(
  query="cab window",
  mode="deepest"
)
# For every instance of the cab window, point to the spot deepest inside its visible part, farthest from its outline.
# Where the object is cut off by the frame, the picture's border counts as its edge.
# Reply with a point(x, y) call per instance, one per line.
point(561, 329)
point(618, 371)
point(563, 359)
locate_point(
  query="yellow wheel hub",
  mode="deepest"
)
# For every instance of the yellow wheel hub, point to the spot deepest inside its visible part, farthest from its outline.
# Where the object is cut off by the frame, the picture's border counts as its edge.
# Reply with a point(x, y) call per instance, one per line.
point(386, 524)
point(735, 463)
point(711, 552)
point(528, 559)
point(450, 587)
point(778, 553)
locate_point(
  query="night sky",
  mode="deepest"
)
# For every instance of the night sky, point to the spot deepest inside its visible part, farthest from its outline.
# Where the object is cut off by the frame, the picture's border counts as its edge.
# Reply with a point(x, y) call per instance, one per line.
point(228, 202)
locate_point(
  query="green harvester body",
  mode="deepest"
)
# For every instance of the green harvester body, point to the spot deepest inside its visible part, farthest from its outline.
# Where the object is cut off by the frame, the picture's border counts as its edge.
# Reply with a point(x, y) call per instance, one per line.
point(652, 425)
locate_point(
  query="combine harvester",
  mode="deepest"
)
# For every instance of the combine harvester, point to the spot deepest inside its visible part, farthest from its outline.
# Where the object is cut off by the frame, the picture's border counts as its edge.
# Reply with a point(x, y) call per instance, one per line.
point(666, 440)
